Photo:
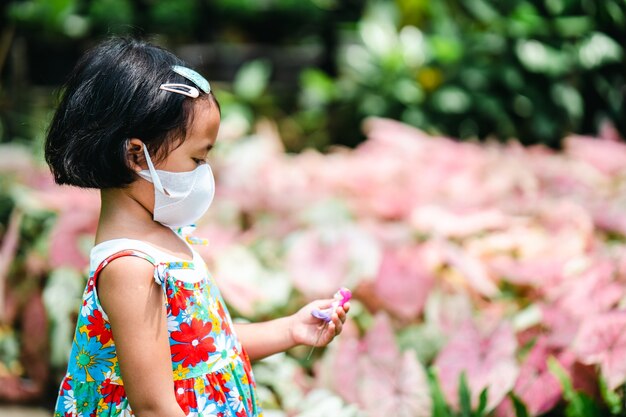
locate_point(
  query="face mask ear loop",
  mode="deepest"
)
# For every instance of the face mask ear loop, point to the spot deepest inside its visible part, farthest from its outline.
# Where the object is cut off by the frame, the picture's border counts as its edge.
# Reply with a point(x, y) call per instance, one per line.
point(155, 178)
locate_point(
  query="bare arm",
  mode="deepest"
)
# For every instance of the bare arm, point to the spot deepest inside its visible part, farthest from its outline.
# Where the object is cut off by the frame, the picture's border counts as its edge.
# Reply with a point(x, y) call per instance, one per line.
point(270, 337)
point(135, 306)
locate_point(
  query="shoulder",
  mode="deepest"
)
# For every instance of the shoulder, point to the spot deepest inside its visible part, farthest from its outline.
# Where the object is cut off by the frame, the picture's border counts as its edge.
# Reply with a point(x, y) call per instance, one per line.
point(126, 270)
point(126, 286)
point(110, 248)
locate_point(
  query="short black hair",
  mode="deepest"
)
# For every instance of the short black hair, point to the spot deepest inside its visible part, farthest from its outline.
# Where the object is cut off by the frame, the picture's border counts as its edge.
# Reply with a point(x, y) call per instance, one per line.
point(112, 95)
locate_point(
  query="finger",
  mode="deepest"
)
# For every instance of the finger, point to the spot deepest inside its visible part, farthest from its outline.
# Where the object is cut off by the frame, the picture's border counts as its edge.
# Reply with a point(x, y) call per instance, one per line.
point(322, 304)
point(338, 324)
point(341, 313)
point(331, 332)
point(346, 307)
point(338, 328)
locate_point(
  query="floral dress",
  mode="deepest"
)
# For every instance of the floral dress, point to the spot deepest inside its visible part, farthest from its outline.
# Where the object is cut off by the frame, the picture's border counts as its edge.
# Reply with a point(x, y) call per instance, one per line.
point(211, 371)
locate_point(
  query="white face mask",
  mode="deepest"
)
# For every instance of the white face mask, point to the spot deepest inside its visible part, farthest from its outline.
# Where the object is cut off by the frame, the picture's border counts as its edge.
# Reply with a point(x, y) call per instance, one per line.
point(180, 198)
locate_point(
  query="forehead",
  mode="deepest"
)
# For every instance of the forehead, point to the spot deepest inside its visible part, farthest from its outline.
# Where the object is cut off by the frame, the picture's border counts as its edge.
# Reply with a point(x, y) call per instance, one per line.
point(204, 123)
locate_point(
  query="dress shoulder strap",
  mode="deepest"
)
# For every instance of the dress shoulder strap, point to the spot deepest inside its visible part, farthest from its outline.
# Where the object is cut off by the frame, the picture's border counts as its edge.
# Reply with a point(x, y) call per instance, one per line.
point(120, 254)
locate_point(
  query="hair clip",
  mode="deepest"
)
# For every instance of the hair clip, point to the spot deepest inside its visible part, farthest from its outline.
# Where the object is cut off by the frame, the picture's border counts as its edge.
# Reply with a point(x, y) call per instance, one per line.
point(193, 76)
point(183, 89)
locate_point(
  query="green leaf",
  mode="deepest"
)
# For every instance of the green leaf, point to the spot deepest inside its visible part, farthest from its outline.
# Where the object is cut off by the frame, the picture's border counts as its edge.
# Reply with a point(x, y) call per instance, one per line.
point(252, 79)
point(61, 296)
point(569, 98)
point(318, 89)
point(611, 398)
point(557, 370)
point(579, 404)
point(482, 10)
point(445, 49)
point(598, 50)
point(518, 406)
point(482, 403)
point(538, 57)
point(526, 21)
point(440, 407)
point(451, 99)
point(465, 398)
point(583, 406)
point(572, 26)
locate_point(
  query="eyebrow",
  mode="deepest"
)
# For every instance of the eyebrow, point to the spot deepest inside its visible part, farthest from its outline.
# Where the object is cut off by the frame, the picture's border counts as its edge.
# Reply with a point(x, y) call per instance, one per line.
point(206, 148)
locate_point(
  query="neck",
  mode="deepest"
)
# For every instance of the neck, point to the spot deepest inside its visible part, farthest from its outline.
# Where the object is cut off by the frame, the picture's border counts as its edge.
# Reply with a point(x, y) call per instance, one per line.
point(124, 215)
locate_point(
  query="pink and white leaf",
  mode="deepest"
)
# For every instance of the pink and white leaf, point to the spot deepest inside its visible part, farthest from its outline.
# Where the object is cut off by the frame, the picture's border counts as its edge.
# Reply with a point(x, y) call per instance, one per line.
point(488, 360)
point(601, 341)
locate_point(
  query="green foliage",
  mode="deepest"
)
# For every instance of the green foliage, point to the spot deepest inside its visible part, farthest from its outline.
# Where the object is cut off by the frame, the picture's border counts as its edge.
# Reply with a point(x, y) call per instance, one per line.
point(578, 403)
point(49, 17)
point(251, 80)
point(252, 7)
point(532, 70)
point(536, 70)
point(518, 406)
point(174, 17)
point(111, 13)
point(179, 20)
point(442, 409)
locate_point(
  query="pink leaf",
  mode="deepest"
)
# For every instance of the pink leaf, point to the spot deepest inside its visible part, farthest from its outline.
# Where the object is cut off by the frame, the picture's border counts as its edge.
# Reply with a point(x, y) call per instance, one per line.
point(441, 221)
point(472, 269)
point(536, 386)
point(65, 238)
point(398, 389)
point(601, 341)
point(379, 341)
point(561, 327)
point(373, 373)
point(319, 261)
point(595, 291)
point(606, 156)
point(487, 360)
point(404, 282)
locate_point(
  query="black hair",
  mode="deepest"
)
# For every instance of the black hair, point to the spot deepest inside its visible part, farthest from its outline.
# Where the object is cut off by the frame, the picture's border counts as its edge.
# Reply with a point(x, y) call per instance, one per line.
point(112, 95)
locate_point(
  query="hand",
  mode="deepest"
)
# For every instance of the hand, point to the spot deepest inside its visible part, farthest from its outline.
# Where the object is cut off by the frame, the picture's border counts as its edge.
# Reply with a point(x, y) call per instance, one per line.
point(305, 329)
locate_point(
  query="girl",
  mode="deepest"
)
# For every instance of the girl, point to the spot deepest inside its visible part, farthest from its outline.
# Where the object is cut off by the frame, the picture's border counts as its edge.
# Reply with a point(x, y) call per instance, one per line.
point(154, 337)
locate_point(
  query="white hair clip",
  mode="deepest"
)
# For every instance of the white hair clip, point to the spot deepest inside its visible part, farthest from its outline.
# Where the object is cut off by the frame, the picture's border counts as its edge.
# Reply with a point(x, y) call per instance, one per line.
point(185, 89)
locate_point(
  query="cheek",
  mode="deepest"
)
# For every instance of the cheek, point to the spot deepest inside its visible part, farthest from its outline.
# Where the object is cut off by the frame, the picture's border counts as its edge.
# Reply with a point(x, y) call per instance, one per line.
point(178, 162)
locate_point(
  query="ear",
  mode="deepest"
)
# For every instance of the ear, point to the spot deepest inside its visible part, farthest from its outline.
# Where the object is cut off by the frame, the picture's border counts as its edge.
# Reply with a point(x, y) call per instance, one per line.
point(134, 152)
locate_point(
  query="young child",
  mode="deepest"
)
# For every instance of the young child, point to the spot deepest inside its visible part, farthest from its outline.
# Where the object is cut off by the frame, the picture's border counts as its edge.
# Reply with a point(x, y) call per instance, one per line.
point(154, 337)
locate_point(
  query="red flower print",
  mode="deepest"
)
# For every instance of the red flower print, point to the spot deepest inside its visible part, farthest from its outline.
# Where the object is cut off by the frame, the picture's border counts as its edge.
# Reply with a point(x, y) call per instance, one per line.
point(220, 311)
point(99, 327)
point(194, 343)
point(224, 323)
point(112, 393)
point(241, 413)
point(65, 385)
point(217, 388)
point(186, 399)
point(177, 297)
point(221, 379)
point(216, 394)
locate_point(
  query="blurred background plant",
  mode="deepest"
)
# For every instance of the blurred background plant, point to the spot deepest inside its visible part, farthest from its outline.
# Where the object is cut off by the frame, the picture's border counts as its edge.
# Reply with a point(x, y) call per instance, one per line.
point(462, 240)
point(534, 70)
